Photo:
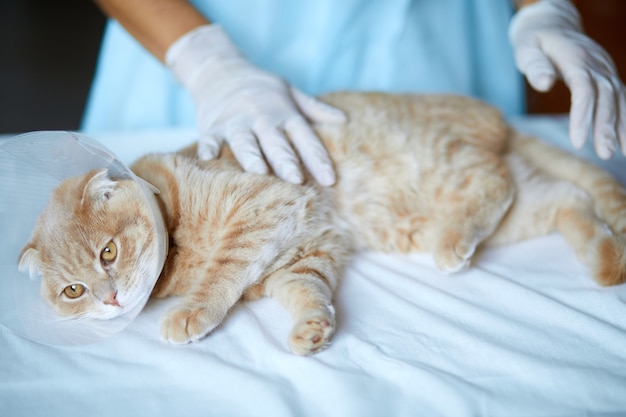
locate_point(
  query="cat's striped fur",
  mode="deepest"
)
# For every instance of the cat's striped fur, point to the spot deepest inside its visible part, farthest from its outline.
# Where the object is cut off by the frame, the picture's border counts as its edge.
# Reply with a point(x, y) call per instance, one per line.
point(442, 174)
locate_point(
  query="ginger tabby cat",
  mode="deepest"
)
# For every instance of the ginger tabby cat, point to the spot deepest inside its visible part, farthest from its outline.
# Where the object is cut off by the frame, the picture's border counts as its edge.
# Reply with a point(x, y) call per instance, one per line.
point(442, 174)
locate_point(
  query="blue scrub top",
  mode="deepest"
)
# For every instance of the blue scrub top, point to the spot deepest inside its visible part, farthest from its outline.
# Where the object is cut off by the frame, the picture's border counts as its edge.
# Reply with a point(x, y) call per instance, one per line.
point(442, 46)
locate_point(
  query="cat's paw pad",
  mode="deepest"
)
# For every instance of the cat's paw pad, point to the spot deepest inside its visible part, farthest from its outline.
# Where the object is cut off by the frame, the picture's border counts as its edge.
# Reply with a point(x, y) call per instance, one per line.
point(181, 326)
point(454, 253)
point(312, 334)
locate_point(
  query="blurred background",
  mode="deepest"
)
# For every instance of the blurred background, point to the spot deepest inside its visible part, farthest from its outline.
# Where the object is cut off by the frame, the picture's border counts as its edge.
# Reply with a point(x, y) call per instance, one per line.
point(48, 52)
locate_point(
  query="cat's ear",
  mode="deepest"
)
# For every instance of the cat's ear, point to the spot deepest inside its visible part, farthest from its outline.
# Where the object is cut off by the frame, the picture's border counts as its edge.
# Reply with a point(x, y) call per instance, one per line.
point(29, 260)
point(99, 188)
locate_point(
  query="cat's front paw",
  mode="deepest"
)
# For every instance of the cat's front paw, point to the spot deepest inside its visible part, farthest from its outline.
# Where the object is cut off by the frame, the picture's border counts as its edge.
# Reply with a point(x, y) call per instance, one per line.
point(312, 334)
point(184, 325)
point(454, 252)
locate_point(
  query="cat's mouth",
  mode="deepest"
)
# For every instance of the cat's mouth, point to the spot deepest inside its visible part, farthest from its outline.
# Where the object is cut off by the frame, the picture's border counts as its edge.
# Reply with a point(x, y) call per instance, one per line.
point(119, 303)
point(131, 298)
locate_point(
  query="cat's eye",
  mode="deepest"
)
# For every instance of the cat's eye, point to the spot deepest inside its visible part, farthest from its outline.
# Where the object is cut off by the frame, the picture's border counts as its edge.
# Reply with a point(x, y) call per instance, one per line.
point(109, 253)
point(74, 290)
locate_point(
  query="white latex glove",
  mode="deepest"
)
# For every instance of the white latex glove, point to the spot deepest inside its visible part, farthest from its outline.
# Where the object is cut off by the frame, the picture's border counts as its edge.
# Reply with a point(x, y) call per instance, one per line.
point(548, 41)
point(258, 114)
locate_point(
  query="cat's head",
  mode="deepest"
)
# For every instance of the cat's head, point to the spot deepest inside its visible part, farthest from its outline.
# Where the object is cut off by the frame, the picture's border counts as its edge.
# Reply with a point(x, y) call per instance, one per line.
point(96, 247)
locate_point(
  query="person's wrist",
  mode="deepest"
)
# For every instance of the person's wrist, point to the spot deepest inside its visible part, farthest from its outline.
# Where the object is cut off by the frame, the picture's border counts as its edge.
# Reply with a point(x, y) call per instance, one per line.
point(523, 3)
point(189, 54)
point(552, 14)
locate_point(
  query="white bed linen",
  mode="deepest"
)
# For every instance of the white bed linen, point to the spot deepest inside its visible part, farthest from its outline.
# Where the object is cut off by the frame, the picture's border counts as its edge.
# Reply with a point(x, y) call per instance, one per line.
point(525, 332)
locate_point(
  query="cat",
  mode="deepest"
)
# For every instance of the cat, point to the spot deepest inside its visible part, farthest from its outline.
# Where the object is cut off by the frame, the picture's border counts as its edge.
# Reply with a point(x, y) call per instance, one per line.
point(430, 173)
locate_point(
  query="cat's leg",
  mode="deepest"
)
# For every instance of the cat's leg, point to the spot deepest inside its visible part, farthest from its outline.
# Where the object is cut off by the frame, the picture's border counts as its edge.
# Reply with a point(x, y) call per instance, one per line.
point(560, 206)
point(199, 313)
point(594, 242)
point(207, 296)
point(545, 204)
point(472, 200)
point(305, 289)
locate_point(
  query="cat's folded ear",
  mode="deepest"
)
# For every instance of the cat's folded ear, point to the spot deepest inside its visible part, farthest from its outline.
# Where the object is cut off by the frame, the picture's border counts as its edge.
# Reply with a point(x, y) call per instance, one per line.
point(99, 187)
point(29, 260)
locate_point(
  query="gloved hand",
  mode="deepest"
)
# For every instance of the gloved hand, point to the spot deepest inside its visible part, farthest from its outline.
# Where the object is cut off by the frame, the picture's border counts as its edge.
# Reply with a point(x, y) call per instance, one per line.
point(258, 114)
point(548, 41)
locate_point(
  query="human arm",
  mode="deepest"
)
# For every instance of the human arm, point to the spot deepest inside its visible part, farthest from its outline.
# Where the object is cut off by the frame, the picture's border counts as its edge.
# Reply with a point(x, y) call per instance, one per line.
point(156, 24)
point(549, 42)
point(263, 118)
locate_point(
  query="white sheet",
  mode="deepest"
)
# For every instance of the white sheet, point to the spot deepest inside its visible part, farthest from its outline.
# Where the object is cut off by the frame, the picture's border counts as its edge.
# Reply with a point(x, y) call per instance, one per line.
point(525, 332)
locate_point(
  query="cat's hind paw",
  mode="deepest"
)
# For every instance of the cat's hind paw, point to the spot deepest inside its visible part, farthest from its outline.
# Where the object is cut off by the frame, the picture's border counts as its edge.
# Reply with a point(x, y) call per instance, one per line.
point(312, 334)
point(181, 326)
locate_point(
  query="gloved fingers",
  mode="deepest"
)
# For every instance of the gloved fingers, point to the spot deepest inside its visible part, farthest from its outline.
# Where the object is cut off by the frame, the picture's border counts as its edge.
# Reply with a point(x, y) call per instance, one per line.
point(316, 110)
point(312, 152)
point(247, 151)
point(209, 147)
point(582, 108)
point(605, 121)
point(536, 66)
point(278, 152)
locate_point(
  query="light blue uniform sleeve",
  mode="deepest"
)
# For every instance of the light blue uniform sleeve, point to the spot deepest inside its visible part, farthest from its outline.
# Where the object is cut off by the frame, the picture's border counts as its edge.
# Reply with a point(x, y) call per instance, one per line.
point(442, 46)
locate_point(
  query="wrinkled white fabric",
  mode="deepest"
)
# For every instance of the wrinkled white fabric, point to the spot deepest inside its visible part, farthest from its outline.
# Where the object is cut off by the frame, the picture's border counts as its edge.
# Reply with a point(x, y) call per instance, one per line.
point(549, 42)
point(524, 332)
point(260, 116)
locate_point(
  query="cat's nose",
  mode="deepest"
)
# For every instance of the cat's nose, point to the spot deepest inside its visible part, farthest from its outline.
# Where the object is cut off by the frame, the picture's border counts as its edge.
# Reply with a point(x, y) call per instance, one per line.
point(112, 300)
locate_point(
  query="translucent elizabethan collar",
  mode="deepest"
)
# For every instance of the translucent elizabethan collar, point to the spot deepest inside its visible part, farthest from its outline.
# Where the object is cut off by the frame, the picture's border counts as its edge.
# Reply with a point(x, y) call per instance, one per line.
point(31, 166)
